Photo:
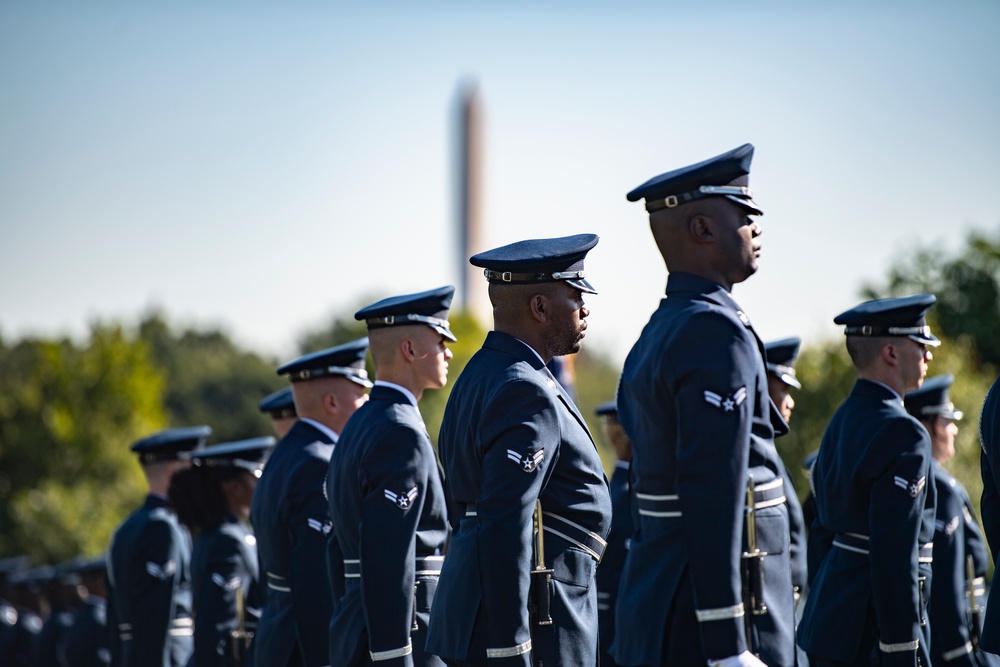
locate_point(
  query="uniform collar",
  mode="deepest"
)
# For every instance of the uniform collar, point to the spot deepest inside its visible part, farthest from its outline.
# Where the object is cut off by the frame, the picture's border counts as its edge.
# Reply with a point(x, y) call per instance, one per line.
point(504, 342)
point(400, 388)
point(884, 386)
point(322, 428)
point(688, 282)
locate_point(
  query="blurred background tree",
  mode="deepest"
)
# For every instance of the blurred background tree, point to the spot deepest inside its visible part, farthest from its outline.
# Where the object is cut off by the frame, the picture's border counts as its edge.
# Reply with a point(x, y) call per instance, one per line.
point(208, 379)
point(68, 413)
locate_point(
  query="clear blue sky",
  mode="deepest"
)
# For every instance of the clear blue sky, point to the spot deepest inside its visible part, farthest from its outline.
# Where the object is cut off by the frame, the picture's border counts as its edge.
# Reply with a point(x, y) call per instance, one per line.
point(260, 166)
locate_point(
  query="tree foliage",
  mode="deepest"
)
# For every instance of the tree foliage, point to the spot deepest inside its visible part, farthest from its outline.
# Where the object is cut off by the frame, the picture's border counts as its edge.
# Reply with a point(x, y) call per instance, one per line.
point(967, 287)
point(209, 379)
point(68, 413)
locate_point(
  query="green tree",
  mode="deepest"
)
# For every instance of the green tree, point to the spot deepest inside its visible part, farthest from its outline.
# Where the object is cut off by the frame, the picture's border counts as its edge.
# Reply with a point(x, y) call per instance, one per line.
point(68, 414)
point(210, 380)
point(967, 287)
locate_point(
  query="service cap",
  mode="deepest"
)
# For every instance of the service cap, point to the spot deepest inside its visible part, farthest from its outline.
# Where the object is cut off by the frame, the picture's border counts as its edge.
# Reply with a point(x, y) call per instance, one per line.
point(430, 308)
point(170, 444)
point(726, 175)
point(347, 360)
point(539, 261)
point(897, 316)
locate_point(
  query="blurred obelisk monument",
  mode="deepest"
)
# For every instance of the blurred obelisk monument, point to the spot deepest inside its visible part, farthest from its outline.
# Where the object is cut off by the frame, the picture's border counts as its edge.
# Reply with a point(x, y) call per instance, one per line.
point(472, 292)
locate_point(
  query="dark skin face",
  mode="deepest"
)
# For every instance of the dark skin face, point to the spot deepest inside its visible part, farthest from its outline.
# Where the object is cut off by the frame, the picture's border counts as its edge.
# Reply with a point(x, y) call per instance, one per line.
point(567, 320)
point(714, 238)
point(549, 317)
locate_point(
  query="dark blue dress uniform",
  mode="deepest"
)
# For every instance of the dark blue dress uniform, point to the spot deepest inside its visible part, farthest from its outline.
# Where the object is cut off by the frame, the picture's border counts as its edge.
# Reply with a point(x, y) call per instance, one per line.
point(780, 358)
point(17, 645)
point(871, 482)
point(149, 580)
point(86, 642)
point(989, 437)
point(388, 509)
point(609, 573)
point(49, 580)
point(291, 522)
point(949, 605)
point(511, 437)
point(693, 400)
point(223, 561)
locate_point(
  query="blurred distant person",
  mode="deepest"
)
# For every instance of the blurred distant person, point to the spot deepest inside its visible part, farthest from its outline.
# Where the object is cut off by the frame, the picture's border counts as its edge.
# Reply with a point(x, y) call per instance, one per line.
point(280, 406)
point(86, 643)
point(609, 573)
point(149, 578)
point(780, 358)
point(289, 512)
point(27, 609)
point(954, 616)
point(212, 498)
point(989, 437)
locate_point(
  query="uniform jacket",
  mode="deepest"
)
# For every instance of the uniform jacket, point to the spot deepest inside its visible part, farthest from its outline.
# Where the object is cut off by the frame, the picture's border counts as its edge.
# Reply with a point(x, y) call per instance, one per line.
point(609, 573)
point(871, 482)
point(18, 637)
point(797, 535)
point(291, 521)
point(149, 589)
point(389, 515)
point(693, 400)
point(85, 643)
point(223, 560)
point(511, 436)
point(989, 436)
point(956, 536)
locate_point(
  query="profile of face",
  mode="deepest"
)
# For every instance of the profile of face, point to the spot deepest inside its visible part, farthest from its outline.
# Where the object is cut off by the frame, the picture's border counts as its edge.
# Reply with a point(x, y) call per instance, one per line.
point(615, 434)
point(782, 399)
point(943, 432)
point(737, 235)
point(239, 493)
point(430, 356)
point(913, 358)
point(283, 425)
point(566, 319)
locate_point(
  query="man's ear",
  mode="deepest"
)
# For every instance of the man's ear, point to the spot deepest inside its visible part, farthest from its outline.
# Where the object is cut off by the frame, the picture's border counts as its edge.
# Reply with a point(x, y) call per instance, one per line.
point(700, 227)
point(330, 402)
point(889, 354)
point(406, 347)
point(539, 307)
